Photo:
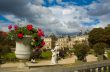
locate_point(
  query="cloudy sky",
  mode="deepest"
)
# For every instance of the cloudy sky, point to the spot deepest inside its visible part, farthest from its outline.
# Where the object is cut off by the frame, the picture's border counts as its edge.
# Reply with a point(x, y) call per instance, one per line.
point(55, 16)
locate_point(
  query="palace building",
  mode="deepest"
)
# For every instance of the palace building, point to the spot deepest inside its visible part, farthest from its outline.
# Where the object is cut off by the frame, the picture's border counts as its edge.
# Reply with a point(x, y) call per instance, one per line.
point(64, 42)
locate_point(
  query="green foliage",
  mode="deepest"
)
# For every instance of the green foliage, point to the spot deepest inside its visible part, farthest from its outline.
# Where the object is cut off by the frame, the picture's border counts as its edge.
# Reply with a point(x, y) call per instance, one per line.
point(99, 40)
point(96, 35)
point(99, 48)
point(46, 54)
point(107, 35)
point(91, 51)
point(81, 50)
point(5, 43)
point(108, 54)
point(6, 49)
point(10, 55)
point(99, 35)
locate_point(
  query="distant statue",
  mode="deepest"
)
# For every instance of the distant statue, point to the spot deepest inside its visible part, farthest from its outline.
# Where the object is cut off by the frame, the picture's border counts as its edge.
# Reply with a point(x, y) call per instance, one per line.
point(55, 54)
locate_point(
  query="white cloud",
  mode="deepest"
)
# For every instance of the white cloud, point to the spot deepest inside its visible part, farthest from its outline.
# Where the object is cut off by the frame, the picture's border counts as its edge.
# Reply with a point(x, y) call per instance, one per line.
point(17, 21)
point(37, 2)
point(58, 19)
point(63, 20)
point(102, 11)
point(66, 12)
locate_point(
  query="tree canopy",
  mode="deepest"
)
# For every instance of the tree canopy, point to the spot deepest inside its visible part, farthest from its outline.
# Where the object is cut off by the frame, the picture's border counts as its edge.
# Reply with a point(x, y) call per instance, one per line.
point(5, 43)
point(98, 35)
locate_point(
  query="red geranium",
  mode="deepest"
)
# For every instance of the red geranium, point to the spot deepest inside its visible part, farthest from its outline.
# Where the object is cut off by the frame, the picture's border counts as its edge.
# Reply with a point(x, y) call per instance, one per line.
point(40, 32)
point(29, 27)
point(42, 43)
point(10, 27)
point(28, 31)
point(20, 35)
point(15, 27)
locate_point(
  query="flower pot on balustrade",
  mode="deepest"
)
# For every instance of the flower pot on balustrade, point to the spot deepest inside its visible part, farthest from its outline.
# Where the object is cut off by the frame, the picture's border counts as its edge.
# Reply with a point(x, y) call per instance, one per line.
point(22, 52)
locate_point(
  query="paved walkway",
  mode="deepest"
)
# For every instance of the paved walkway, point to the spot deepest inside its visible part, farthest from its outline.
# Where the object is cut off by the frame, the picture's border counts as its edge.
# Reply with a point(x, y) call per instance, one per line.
point(48, 62)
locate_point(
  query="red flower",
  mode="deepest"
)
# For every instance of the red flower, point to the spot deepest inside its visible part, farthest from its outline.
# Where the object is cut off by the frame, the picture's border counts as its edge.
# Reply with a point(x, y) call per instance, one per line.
point(15, 27)
point(29, 27)
point(20, 35)
point(40, 32)
point(10, 27)
point(42, 43)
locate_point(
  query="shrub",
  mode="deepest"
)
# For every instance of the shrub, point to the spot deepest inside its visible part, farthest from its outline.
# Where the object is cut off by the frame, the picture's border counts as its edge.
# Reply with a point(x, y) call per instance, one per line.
point(9, 57)
point(99, 48)
point(6, 49)
point(81, 50)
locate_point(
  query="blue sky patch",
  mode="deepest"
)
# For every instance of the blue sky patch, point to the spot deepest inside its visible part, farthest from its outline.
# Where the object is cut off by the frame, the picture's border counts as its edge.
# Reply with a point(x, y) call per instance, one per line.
point(48, 3)
point(94, 22)
point(4, 20)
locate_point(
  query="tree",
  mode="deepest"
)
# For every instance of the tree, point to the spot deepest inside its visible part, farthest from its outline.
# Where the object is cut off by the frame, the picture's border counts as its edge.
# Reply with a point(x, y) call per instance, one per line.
point(97, 35)
point(5, 43)
point(81, 50)
point(107, 35)
point(99, 49)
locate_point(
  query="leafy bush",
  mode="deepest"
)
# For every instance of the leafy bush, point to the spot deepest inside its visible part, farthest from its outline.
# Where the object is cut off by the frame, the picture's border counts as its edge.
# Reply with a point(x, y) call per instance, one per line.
point(99, 48)
point(81, 50)
point(9, 56)
point(6, 49)
point(91, 52)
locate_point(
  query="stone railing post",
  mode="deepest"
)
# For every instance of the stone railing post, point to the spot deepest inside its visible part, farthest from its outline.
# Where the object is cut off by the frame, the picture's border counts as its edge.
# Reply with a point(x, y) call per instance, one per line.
point(109, 68)
point(87, 70)
point(105, 69)
point(93, 69)
point(99, 69)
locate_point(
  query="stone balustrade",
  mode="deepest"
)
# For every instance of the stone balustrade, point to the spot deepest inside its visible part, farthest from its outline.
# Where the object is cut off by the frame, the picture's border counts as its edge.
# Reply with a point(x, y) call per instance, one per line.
point(101, 66)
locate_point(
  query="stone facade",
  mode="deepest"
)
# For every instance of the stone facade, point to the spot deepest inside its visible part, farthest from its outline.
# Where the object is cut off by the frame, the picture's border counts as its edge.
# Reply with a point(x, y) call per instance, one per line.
point(65, 42)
